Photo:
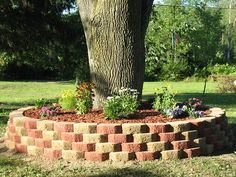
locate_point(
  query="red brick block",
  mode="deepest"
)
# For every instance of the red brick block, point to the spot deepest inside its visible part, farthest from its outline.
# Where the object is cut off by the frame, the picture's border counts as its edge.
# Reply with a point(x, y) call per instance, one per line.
point(218, 145)
point(95, 156)
point(52, 153)
point(158, 127)
point(39, 142)
point(192, 152)
point(134, 147)
point(71, 136)
point(145, 155)
point(30, 124)
point(120, 138)
point(12, 129)
point(83, 147)
point(109, 128)
point(182, 144)
point(211, 139)
point(63, 127)
point(35, 133)
point(171, 136)
point(11, 119)
point(21, 148)
point(14, 137)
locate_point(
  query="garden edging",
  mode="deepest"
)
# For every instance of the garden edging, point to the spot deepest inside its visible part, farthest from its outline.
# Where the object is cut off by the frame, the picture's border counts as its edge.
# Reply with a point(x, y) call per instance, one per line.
point(119, 142)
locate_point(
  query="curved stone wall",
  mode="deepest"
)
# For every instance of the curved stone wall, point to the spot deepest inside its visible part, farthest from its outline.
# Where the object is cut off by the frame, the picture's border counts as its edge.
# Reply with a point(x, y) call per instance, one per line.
point(119, 142)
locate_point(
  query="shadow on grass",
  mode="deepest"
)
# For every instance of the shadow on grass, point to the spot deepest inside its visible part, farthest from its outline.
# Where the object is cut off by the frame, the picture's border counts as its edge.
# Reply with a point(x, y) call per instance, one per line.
point(128, 172)
point(7, 161)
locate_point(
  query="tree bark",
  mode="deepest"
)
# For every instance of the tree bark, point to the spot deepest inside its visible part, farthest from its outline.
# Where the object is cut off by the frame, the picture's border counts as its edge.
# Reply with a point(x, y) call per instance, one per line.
point(115, 32)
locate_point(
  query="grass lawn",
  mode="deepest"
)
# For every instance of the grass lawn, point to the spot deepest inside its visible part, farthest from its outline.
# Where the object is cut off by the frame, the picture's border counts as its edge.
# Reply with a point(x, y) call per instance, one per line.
point(18, 94)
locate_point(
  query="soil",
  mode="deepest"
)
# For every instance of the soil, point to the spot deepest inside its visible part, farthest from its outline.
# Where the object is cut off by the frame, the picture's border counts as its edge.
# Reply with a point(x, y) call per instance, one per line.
point(143, 115)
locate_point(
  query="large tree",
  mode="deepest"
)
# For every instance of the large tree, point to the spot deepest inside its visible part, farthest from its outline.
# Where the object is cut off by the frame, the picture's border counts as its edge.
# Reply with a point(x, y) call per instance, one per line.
point(115, 32)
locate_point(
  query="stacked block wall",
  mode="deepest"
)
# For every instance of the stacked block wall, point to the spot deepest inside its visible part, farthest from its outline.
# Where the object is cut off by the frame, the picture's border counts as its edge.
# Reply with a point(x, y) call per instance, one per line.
point(119, 142)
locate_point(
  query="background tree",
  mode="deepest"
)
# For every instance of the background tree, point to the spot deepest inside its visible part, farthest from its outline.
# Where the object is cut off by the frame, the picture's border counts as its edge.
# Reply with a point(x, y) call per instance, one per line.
point(39, 41)
point(115, 32)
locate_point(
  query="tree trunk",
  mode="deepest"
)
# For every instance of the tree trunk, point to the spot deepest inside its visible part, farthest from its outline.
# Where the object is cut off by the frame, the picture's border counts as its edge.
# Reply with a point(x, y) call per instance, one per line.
point(115, 32)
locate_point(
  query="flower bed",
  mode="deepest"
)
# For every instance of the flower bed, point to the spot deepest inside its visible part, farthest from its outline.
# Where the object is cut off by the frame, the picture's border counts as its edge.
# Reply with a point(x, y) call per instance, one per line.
point(119, 141)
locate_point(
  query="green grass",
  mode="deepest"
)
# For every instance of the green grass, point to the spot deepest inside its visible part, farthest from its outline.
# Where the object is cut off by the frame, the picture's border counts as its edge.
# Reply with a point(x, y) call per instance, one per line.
point(14, 95)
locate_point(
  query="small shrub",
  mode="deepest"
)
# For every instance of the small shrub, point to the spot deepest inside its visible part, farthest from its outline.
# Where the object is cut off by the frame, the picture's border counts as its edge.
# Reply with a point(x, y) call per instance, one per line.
point(175, 70)
point(39, 103)
point(84, 97)
point(122, 104)
point(164, 101)
point(165, 104)
point(222, 69)
point(227, 84)
point(68, 100)
point(47, 111)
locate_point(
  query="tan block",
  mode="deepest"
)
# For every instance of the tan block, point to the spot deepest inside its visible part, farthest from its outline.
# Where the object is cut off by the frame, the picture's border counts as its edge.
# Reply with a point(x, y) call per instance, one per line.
point(21, 131)
point(85, 128)
point(199, 142)
point(180, 126)
point(28, 141)
point(71, 155)
point(157, 146)
point(220, 135)
point(209, 121)
point(144, 137)
point(207, 149)
point(16, 114)
point(107, 147)
point(61, 145)
point(215, 128)
point(25, 108)
point(215, 109)
point(45, 125)
point(34, 151)
point(19, 121)
point(51, 135)
point(10, 144)
point(190, 135)
point(122, 156)
point(94, 138)
point(133, 128)
point(171, 154)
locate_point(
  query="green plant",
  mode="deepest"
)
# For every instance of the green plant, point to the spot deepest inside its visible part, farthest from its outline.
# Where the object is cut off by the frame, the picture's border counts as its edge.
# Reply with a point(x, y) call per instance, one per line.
point(68, 99)
point(222, 69)
point(39, 103)
point(84, 97)
point(122, 104)
point(164, 101)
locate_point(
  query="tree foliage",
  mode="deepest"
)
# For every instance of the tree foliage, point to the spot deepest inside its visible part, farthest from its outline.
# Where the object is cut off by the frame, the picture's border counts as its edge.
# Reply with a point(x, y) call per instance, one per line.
point(183, 38)
point(38, 37)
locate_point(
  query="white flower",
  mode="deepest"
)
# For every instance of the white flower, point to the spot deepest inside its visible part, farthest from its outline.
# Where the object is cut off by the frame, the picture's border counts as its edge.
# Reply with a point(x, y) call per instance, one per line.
point(234, 83)
point(109, 97)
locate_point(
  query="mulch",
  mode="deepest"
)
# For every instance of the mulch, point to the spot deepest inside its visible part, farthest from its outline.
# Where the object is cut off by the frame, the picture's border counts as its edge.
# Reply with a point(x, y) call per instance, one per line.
point(97, 116)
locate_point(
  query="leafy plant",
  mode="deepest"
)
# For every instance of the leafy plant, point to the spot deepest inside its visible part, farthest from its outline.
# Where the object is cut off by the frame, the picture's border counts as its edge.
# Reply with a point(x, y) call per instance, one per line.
point(39, 103)
point(164, 101)
point(47, 111)
point(84, 97)
point(68, 99)
point(122, 104)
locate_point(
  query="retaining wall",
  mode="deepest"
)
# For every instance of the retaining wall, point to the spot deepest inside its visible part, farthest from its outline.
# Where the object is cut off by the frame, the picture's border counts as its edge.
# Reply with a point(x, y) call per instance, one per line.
point(119, 142)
